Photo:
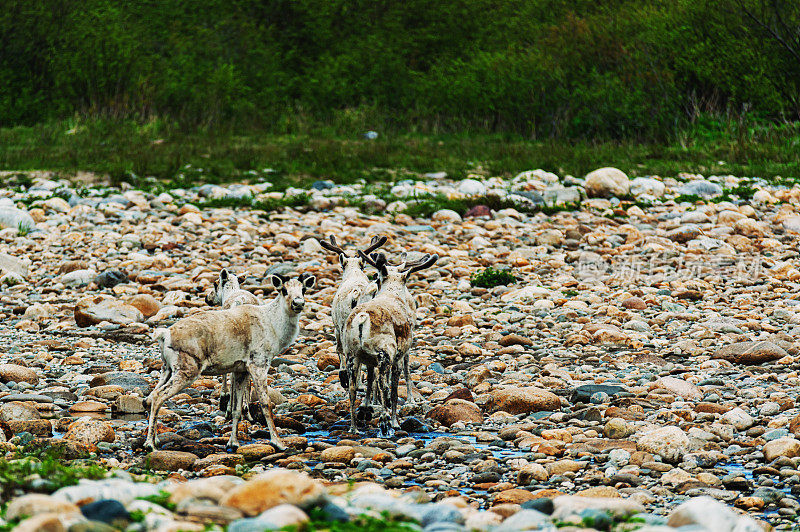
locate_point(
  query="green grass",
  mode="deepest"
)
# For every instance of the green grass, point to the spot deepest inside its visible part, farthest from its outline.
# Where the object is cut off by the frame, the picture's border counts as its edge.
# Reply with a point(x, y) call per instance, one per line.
point(143, 153)
point(362, 523)
point(43, 471)
point(489, 278)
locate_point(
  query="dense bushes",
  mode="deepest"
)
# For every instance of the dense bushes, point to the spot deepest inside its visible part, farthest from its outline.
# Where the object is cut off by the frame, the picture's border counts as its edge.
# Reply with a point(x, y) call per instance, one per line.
point(637, 69)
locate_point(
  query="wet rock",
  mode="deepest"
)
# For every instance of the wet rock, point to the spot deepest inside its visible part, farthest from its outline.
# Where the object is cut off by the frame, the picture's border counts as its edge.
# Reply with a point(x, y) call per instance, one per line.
point(106, 511)
point(455, 411)
point(786, 447)
point(342, 454)
point(170, 460)
point(515, 400)
point(90, 432)
point(17, 373)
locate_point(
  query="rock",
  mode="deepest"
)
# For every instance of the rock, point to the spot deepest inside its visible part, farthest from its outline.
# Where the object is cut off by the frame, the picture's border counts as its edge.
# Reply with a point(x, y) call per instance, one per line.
point(91, 312)
point(711, 515)
point(446, 216)
point(111, 278)
point(570, 505)
point(106, 511)
point(704, 189)
point(76, 278)
point(16, 373)
point(787, 446)
point(146, 304)
point(738, 418)
point(617, 429)
point(342, 454)
point(513, 496)
point(19, 411)
point(454, 411)
point(170, 460)
point(255, 451)
point(750, 352)
point(532, 473)
point(129, 404)
point(15, 265)
point(607, 182)
point(642, 186)
point(37, 503)
point(634, 303)
point(90, 432)
point(213, 489)
point(277, 486)
point(515, 400)
point(670, 443)
point(525, 520)
point(550, 237)
point(679, 387)
point(118, 489)
point(277, 518)
point(16, 219)
point(471, 187)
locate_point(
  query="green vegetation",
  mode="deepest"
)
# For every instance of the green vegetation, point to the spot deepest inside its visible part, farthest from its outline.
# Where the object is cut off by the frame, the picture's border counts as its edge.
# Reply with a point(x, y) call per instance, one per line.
point(626, 69)
point(362, 523)
point(489, 278)
point(294, 201)
point(43, 471)
point(283, 90)
point(127, 151)
point(162, 499)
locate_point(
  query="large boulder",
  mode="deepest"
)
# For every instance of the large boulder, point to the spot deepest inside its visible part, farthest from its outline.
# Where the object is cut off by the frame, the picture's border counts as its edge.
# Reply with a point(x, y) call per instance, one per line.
point(16, 218)
point(17, 373)
point(91, 311)
point(272, 488)
point(750, 353)
point(782, 447)
point(607, 182)
point(454, 411)
point(671, 443)
point(90, 432)
point(515, 400)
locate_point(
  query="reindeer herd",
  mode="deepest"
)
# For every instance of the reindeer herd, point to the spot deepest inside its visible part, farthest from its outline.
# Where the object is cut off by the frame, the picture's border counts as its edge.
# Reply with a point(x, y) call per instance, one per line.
point(373, 325)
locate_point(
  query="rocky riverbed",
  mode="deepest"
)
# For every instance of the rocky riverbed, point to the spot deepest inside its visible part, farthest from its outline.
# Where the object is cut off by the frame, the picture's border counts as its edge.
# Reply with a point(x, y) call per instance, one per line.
point(640, 372)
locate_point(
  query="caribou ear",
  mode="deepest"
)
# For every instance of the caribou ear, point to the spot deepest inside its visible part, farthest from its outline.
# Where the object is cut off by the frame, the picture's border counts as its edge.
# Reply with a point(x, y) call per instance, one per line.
point(277, 281)
point(242, 278)
point(223, 275)
point(308, 280)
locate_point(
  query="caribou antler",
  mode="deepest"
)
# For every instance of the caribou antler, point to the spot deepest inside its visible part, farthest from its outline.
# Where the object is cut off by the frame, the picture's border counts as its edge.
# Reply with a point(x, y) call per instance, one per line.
point(425, 262)
point(375, 243)
point(331, 246)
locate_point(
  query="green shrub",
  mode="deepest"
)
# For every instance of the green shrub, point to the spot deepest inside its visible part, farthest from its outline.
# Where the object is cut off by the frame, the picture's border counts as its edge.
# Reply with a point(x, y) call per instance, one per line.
point(489, 278)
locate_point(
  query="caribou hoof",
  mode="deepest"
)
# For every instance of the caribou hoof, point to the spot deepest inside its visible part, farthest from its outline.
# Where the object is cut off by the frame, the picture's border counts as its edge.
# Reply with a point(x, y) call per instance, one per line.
point(385, 430)
point(364, 415)
point(279, 445)
point(230, 448)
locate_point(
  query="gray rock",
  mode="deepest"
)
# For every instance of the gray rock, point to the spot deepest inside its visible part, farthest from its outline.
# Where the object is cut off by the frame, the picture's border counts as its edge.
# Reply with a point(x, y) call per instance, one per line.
point(526, 520)
point(704, 189)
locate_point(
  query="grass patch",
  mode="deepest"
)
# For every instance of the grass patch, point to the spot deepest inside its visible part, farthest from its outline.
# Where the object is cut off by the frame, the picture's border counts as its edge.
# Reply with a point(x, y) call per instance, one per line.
point(361, 523)
point(146, 154)
point(489, 278)
point(295, 201)
point(43, 471)
point(161, 499)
